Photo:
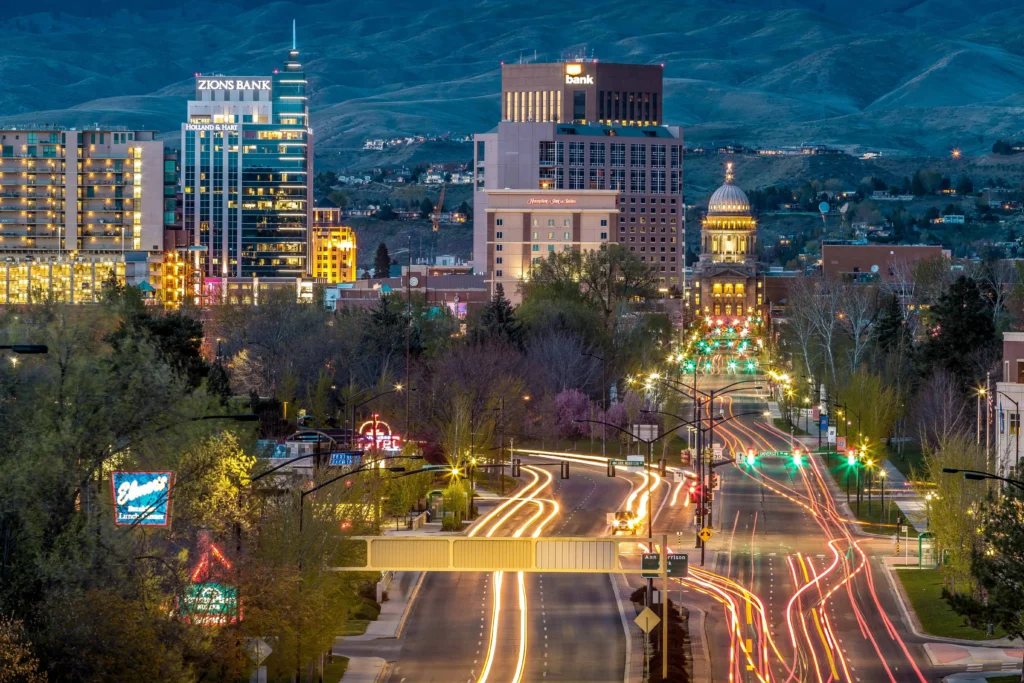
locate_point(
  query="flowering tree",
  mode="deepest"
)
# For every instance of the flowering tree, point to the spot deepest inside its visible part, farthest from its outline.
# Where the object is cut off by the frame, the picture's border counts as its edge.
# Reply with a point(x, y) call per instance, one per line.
point(572, 404)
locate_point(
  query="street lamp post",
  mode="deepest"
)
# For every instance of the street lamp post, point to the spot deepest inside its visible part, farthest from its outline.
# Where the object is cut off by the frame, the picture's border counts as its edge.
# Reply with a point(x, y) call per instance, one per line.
point(650, 495)
point(881, 482)
point(980, 392)
point(710, 397)
point(978, 475)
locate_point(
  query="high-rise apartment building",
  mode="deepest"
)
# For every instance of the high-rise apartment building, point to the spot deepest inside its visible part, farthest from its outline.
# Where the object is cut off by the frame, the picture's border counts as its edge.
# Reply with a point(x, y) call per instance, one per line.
point(246, 174)
point(75, 207)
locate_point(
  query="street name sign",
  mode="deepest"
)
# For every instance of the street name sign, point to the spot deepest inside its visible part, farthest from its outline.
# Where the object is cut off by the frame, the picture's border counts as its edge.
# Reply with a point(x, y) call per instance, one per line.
point(677, 565)
point(650, 563)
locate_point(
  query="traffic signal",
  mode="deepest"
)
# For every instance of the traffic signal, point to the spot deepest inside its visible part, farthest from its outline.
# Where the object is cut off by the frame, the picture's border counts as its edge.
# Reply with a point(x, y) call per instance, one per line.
point(851, 458)
point(713, 482)
point(663, 468)
point(565, 469)
point(751, 457)
point(611, 469)
point(797, 456)
point(516, 465)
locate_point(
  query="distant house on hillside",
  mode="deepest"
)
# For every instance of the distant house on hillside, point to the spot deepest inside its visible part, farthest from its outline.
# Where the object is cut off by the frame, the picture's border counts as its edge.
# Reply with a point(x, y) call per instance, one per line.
point(884, 196)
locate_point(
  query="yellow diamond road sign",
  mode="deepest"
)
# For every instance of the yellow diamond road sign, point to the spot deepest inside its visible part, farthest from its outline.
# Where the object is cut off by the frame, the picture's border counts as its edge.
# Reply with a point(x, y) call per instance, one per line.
point(647, 620)
point(705, 534)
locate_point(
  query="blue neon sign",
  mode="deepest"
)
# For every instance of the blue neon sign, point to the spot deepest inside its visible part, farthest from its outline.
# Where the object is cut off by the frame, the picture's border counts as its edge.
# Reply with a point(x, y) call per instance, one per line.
point(141, 498)
point(346, 459)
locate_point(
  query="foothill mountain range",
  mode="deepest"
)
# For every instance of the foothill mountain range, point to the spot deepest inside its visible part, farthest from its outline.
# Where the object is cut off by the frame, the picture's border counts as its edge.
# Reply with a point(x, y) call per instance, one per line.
point(915, 78)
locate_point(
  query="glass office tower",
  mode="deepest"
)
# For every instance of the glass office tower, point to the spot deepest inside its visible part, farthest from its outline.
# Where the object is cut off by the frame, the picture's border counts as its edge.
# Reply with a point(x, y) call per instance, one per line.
point(246, 174)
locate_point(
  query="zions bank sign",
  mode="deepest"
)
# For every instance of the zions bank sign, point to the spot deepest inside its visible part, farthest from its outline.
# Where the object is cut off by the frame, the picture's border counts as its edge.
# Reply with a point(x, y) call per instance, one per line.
point(223, 83)
point(574, 75)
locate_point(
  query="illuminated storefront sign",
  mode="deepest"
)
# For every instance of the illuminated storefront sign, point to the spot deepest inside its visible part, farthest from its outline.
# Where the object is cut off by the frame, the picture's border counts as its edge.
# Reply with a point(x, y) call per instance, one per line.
point(574, 75)
point(384, 440)
point(215, 127)
point(209, 604)
point(233, 84)
point(545, 201)
point(141, 498)
point(205, 602)
point(346, 458)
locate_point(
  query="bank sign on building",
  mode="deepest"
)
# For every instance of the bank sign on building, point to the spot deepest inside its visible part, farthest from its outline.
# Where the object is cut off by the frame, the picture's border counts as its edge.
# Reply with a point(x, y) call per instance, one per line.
point(141, 498)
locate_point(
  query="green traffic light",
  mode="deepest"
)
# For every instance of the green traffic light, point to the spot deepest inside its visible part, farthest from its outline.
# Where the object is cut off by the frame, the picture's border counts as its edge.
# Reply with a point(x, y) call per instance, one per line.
point(851, 460)
point(751, 460)
point(796, 458)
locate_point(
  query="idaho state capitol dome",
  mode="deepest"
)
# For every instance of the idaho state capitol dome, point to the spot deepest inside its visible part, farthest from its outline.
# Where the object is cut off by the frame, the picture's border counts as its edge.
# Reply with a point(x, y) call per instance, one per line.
point(728, 198)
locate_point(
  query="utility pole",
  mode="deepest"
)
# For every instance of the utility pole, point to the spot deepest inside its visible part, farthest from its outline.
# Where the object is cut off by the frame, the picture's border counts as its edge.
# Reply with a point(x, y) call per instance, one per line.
point(408, 332)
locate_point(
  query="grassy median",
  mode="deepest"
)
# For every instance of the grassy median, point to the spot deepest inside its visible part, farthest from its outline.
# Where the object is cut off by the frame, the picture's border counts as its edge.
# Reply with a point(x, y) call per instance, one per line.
point(333, 671)
point(924, 590)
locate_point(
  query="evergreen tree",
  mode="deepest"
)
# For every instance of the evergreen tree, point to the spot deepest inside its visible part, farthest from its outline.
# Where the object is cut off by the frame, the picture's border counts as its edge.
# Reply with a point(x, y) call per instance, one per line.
point(1001, 147)
point(217, 382)
point(381, 261)
point(426, 208)
point(997, 566)
point(498, 320)
point(962, 328)
point(917, 185)
point(964, 186)
point(890, 330)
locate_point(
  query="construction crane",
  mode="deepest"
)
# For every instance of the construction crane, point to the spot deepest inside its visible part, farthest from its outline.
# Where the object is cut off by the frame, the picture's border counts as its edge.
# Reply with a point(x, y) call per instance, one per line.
point(436, 217)
point(436, 220)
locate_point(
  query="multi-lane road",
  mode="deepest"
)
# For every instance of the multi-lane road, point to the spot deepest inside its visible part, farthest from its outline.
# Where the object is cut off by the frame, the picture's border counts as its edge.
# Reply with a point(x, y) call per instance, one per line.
point(791, 591)
point(511, 626)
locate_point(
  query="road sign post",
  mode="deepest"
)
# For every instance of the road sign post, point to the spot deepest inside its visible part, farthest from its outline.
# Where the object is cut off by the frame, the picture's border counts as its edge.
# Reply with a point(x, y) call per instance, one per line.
point(664, 607)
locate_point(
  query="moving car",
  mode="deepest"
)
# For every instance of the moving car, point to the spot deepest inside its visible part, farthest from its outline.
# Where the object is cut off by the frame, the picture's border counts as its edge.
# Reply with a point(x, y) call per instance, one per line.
point(624, 522)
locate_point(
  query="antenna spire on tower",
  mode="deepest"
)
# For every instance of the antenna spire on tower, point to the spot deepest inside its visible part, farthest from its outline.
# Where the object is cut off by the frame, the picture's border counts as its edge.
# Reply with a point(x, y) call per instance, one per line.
point(728, 172)
point(293, 35)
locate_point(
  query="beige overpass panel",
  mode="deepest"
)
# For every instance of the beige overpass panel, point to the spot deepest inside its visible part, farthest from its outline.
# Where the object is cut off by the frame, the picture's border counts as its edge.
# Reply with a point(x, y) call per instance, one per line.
point(498, 554)
point(589, 556)
point(409, 554)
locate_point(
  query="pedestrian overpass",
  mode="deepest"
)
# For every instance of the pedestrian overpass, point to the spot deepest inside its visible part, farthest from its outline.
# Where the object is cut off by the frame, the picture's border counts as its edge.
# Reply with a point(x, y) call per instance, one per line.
point(600, 555)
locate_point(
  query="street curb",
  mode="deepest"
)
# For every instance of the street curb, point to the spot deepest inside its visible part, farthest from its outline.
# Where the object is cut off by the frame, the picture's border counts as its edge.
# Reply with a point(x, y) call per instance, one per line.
point(701, 628)
point(628, 674)
point(408, 606)
point(913, 624)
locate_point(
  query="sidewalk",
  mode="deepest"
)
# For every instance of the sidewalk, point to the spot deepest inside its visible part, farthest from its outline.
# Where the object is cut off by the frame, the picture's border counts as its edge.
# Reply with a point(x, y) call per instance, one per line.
point(909, 501)
point(979, 677)
point(369, 653)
